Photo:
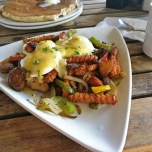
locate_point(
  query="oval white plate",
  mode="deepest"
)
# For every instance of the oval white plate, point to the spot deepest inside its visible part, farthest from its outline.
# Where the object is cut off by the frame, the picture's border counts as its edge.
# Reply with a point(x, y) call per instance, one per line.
point(10, 22)
point(43, 26)
point(104, 129)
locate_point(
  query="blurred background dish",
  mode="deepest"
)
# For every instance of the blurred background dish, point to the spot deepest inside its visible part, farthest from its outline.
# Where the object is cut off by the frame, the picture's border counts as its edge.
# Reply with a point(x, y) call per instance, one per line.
point(31, 11)
point(73, 13)
point(44, 25)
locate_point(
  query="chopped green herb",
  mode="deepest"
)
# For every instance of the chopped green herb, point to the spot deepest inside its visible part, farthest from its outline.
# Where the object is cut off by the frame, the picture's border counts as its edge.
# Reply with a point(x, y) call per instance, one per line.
point(75, 48)
point(46, 49)
point(66, 47)
point(76, 52)
point(36, 62)
point(38, 73)
point(51, 50)
point(65, 57)
point(55, 48)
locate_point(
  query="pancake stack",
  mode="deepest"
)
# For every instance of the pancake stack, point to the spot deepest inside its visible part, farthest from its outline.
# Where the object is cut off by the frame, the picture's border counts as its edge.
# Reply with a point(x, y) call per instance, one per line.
point(30, 10)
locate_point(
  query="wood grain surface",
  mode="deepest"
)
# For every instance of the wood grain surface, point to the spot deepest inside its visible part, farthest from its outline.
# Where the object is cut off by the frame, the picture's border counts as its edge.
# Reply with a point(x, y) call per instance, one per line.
point(22, 132)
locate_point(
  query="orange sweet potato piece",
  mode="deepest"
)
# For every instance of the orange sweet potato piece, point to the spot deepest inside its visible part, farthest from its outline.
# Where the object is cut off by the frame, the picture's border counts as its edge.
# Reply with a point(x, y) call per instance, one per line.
point(93, 98)
point(116, 66)
point(65, 93)
point(105, 67)
point(16, 57)
point(94, 81)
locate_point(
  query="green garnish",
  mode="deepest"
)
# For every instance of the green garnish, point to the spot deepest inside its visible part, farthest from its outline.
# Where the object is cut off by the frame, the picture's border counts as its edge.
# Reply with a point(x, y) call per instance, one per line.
point(93, 105)
point(76, 52)
point(62, 84)
point(46, 49)
point(65, 104)
point(36, 61)
point(71, 32)
point(55, 48)
point(66, 47)
point(98, 44)
point(38, 73)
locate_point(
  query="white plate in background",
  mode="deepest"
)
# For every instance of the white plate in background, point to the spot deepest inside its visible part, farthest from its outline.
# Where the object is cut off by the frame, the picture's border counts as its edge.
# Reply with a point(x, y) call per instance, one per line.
point(73, 13)
point(44, 25)
point(104, 129)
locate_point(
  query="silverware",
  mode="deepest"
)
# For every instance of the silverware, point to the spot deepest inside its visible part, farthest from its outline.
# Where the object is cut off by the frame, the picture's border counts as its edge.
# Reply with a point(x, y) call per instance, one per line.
point(126, 26)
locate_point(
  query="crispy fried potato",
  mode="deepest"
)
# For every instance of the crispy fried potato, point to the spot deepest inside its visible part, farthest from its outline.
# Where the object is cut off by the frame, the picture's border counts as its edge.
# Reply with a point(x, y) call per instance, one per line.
point(16, 78)
point(34, 84)
point(115, 70)
point(105, 67)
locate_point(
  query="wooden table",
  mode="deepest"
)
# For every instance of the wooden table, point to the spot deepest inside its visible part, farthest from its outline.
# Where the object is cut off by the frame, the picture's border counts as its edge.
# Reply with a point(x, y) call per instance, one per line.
point(22, 132)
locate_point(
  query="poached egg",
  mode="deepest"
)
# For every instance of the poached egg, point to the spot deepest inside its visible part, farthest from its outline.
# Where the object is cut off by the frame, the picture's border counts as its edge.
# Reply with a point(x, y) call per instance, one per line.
point(49, 55)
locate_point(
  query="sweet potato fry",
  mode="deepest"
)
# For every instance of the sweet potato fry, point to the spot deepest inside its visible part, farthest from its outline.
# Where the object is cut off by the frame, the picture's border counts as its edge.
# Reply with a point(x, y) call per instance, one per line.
point(80, 70)
point(93, 98)
point(50, 76)
point(16, 57)
point(92, 67)
point(38, 39)
point(82, 58)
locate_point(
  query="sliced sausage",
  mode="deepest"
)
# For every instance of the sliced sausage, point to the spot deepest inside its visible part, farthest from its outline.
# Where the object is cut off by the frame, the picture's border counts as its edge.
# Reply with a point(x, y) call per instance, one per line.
point(6, 66)
point(16, 78)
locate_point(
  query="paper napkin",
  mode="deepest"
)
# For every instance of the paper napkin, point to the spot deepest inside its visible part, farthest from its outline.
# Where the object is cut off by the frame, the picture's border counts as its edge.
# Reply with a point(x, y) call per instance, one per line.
point(138, 24)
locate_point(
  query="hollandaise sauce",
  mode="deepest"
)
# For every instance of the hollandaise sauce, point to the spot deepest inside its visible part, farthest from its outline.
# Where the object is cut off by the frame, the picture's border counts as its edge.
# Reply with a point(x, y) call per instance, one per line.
point(49, 55)
point(43, 59)
point(78, 45)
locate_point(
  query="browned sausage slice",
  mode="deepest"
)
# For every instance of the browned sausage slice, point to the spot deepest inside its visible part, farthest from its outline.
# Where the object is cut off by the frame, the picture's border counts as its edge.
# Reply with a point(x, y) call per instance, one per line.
point(6, 66)
point(16, 78)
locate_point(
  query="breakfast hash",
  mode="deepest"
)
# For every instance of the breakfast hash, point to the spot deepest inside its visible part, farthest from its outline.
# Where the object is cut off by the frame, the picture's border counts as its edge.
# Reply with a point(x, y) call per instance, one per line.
point(68, 69)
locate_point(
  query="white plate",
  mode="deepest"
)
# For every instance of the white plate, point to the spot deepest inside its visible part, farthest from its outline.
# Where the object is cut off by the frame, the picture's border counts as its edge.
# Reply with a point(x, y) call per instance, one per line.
point(104, 129)
point(43, 26)
point(73, 13)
